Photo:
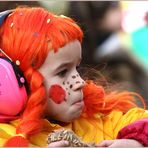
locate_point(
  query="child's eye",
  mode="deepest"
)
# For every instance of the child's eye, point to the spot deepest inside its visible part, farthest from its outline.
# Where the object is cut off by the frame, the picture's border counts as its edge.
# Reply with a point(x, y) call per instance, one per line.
point(78, 67)
point(62, 73)
point(79, 70)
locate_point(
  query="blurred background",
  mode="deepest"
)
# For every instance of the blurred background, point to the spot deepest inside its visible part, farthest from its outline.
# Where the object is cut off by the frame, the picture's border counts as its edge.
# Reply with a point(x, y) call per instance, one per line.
point(115, 37)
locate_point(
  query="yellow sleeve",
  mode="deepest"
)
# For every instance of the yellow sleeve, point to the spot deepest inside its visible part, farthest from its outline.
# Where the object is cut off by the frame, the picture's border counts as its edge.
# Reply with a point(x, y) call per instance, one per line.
point(120, 120)
point(6, 131)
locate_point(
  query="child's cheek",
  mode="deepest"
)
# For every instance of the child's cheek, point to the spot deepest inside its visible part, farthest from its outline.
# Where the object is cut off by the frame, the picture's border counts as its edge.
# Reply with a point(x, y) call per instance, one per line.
point(57, 93)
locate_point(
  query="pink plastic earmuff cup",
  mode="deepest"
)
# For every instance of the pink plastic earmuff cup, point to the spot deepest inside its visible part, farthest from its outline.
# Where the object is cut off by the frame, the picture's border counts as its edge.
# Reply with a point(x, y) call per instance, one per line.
point(6, 118)
point(12, 97)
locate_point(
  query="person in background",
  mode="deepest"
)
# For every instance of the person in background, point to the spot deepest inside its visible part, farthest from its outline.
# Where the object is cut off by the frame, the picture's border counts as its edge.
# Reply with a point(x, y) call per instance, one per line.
point(106, 46)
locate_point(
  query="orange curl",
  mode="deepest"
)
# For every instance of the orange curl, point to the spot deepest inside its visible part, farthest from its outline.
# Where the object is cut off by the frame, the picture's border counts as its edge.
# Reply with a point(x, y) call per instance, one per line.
point(93, 98)
point(97, 101)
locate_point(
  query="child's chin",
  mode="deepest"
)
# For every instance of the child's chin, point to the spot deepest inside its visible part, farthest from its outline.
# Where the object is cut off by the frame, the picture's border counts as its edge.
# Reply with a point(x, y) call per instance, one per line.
point(77, 115)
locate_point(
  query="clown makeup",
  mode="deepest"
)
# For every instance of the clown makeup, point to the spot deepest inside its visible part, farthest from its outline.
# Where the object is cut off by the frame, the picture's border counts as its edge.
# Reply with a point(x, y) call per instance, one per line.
point(57, 94)
point(63, 83)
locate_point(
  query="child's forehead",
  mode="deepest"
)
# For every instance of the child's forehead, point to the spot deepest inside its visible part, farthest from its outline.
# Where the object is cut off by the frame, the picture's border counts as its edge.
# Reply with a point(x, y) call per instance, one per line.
point(69, 51)
point(69, 54)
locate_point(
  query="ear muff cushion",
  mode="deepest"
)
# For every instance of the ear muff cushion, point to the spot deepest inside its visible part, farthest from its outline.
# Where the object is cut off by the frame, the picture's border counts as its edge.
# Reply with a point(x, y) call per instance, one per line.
point(12, 97)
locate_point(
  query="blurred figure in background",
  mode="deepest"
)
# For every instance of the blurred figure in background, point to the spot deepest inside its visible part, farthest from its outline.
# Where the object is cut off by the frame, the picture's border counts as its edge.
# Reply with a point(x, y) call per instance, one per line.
point(53, 6)
point(106, 45)
point(139, 43)
point(6, 5)
point(95, 17)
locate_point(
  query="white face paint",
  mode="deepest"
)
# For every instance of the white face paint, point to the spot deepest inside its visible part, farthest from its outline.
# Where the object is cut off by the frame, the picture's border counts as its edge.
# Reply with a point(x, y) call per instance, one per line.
point(60, 69)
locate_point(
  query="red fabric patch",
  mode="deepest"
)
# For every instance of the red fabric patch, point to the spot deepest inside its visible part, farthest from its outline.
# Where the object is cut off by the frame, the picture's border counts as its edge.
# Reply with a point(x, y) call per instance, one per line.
point(57, 93)
point(137, 130)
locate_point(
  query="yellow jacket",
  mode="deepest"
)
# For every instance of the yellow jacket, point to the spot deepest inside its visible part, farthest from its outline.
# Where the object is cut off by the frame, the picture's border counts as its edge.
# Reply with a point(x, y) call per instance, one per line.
point(90, 130)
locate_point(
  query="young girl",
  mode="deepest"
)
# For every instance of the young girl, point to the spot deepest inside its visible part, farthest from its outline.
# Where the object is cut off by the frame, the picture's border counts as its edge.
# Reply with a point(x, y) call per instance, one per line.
point(45, 50)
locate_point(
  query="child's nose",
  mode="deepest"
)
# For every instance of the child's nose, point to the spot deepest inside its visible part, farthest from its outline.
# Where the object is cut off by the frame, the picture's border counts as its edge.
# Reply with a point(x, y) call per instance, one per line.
point(78, 84)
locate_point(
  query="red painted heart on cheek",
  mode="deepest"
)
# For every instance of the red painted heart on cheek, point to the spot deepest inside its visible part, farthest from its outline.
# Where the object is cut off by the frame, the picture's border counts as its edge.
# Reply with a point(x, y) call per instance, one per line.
point(57, 93)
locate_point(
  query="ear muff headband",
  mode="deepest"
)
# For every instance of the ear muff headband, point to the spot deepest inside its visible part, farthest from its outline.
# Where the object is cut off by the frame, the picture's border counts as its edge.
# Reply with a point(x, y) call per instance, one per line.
point(3, 15)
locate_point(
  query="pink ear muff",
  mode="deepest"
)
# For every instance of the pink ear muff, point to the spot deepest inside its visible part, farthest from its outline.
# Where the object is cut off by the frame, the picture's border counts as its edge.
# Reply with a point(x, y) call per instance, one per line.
point(12, 97)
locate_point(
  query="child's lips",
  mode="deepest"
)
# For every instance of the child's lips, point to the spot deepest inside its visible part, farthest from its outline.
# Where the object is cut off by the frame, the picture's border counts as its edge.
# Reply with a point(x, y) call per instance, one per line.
point(78, 103)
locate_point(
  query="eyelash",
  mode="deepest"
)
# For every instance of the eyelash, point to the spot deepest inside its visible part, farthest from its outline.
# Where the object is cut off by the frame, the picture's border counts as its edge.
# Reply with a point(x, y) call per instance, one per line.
point(62, 73)
point(78, 69)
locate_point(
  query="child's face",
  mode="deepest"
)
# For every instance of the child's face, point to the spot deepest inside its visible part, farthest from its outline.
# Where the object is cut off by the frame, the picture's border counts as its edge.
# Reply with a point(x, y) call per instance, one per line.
point(63, 83)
